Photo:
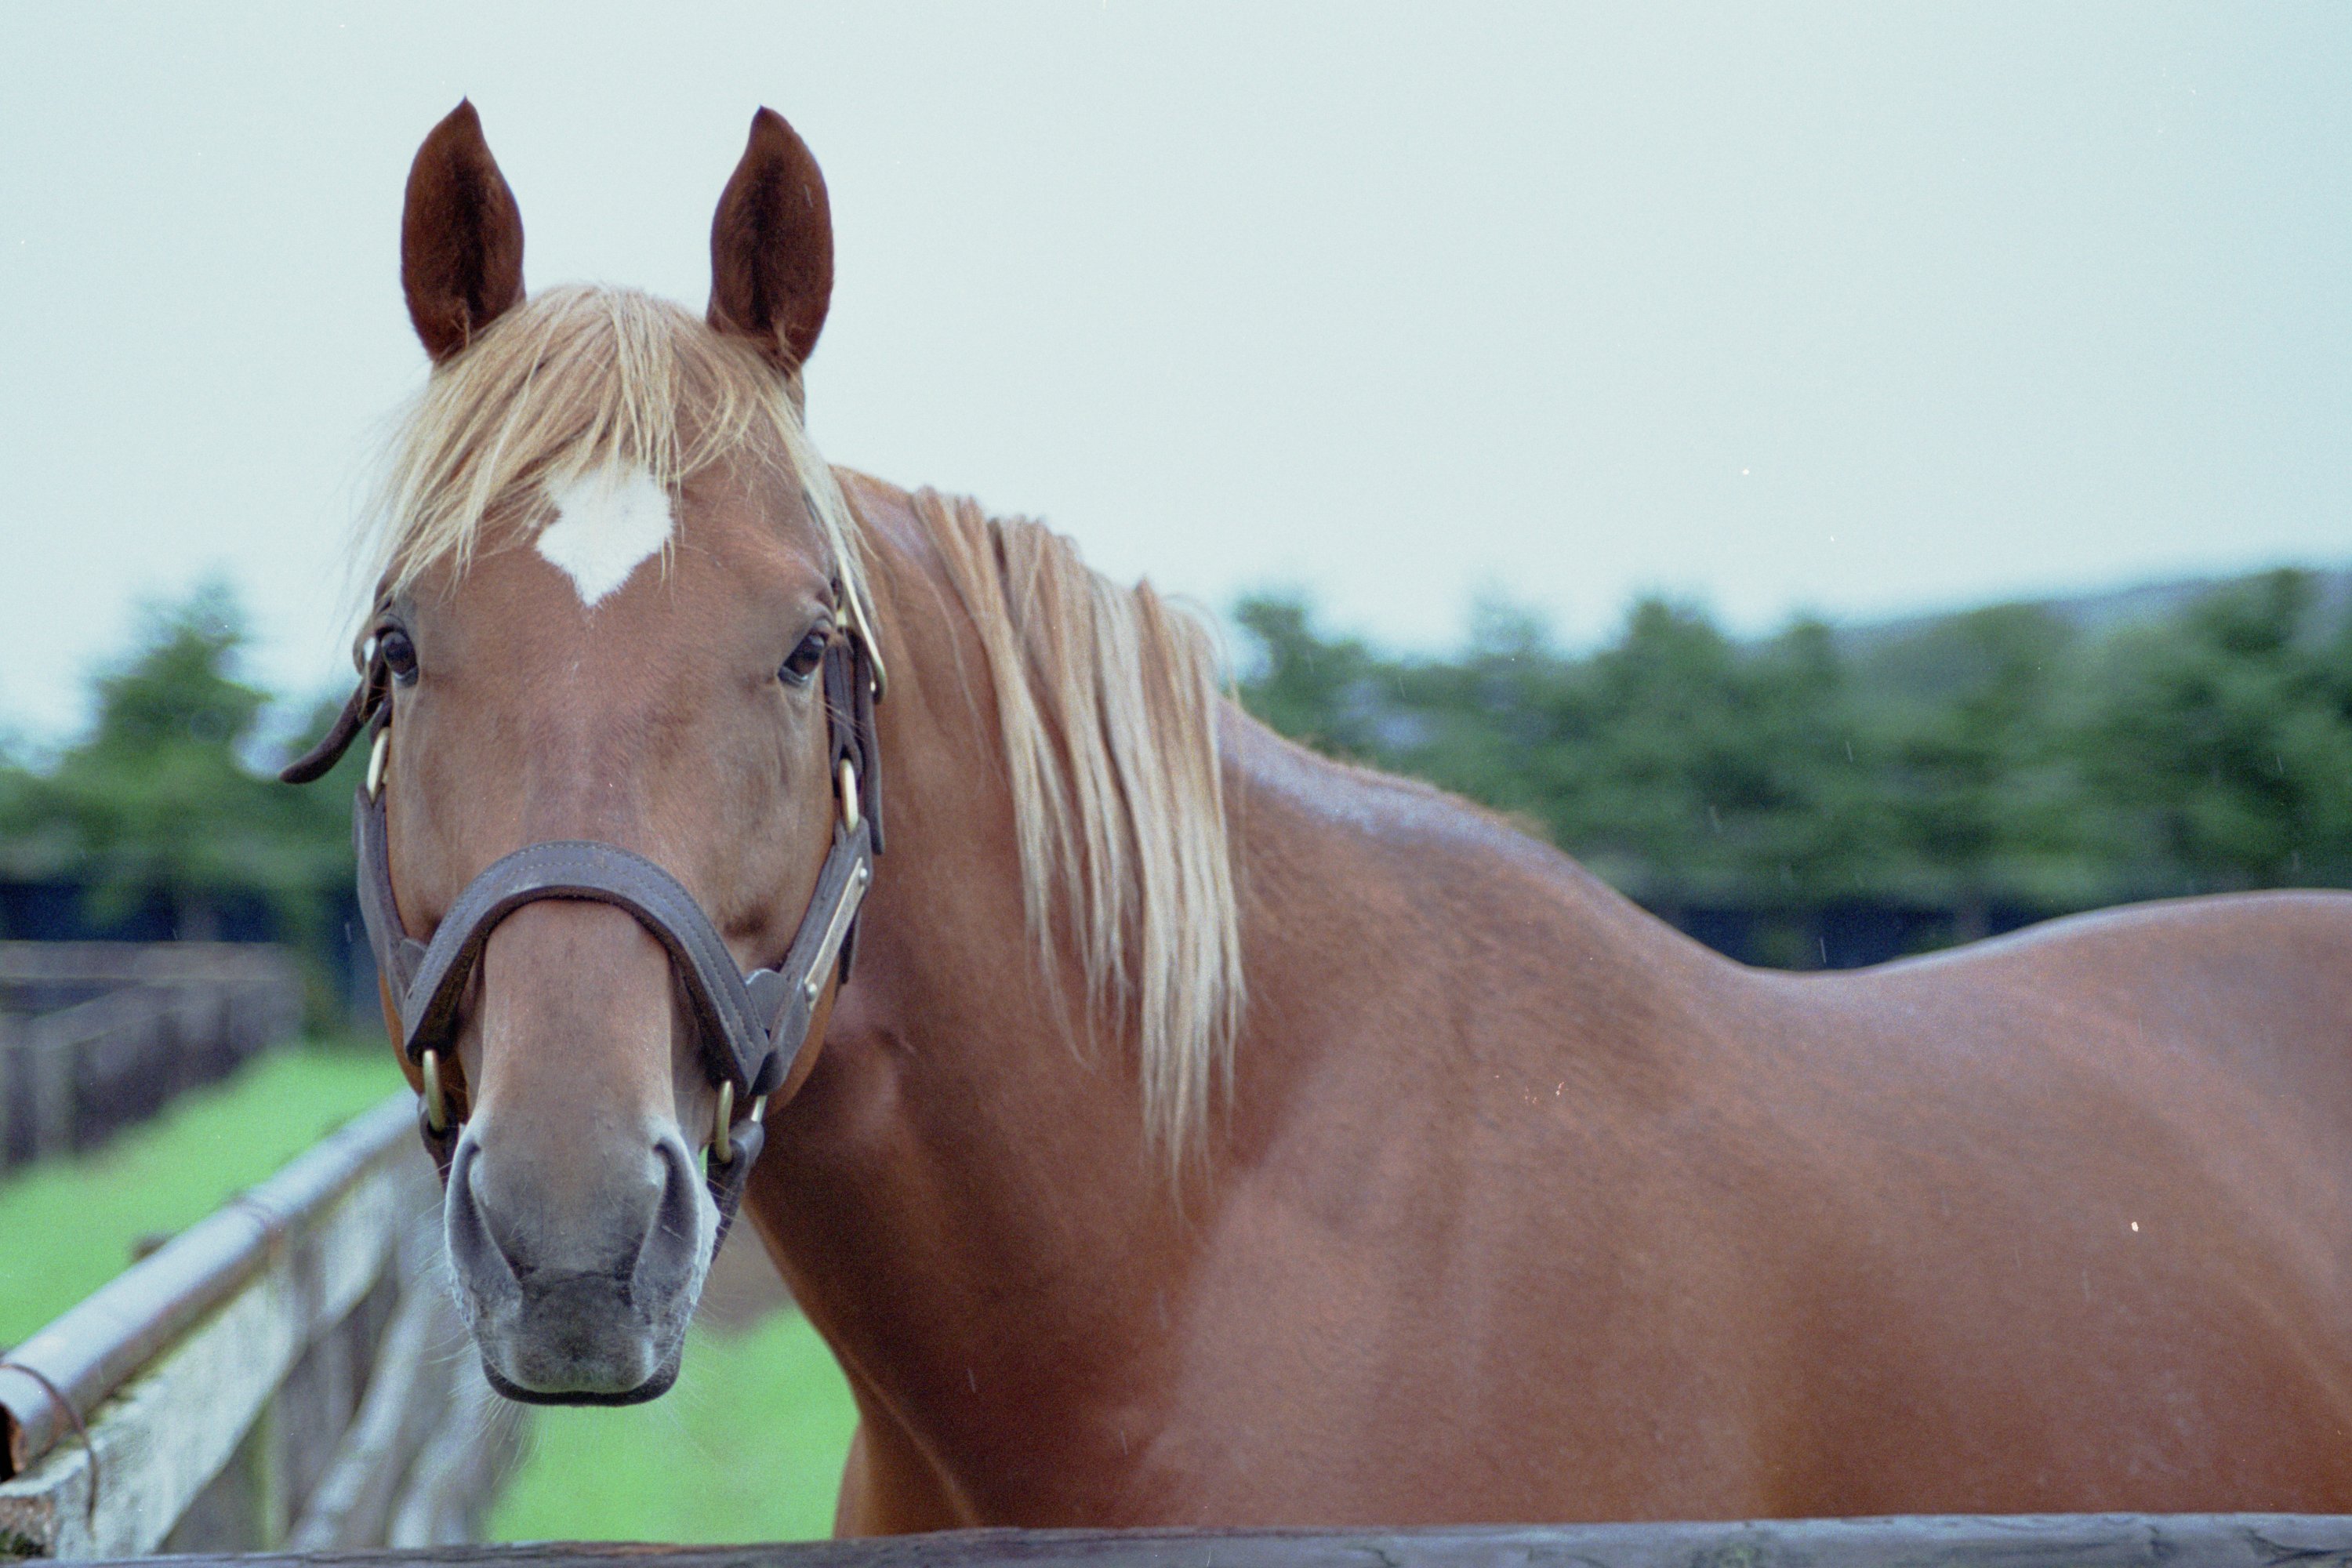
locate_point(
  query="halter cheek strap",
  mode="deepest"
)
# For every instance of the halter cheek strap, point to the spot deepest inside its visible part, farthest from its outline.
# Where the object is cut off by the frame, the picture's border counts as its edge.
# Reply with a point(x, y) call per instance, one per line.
point(752, 1028)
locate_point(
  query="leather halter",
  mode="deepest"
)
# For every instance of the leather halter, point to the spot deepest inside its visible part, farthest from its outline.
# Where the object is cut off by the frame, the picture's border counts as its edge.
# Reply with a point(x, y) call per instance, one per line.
point(752, 1028)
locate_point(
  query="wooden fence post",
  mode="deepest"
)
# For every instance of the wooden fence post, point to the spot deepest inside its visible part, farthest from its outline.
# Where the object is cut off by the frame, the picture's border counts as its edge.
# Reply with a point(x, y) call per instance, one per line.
point(291, 1376)
point(96, 1036)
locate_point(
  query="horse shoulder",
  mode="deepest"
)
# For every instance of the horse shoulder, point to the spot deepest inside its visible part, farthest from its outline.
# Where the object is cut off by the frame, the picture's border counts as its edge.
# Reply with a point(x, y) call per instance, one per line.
point(1472, 1140)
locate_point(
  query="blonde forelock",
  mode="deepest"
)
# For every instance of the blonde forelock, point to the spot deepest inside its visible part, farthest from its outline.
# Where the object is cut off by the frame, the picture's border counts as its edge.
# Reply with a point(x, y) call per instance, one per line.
point(574, 380)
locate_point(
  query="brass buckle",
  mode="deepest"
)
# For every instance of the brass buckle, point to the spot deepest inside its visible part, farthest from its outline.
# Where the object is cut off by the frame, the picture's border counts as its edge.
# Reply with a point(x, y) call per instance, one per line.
point(851, 811)
point(723, 1146)
point(437, 1104)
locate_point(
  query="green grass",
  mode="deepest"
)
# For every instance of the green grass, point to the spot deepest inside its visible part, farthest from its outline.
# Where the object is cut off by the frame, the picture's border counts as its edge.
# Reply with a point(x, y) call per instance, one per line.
point(748, 1447)
point(66, 1224)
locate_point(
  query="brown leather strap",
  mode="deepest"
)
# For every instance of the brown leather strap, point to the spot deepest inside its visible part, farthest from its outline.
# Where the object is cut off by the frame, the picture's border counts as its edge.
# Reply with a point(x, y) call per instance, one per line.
point(604, 873)
point(762, 1018)
point(726, 1182)
point(366, 700)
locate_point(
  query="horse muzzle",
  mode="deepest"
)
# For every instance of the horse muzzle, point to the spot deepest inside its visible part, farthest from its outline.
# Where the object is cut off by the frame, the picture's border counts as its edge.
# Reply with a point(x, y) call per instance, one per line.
point(578, 1296)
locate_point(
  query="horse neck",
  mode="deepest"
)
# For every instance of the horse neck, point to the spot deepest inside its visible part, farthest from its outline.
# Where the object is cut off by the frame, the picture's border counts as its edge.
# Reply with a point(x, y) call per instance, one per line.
point(962, 1197)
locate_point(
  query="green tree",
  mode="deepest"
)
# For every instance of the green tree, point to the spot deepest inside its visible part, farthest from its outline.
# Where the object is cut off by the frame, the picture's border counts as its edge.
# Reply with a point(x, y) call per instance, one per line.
point(2224, 739)
point(1309, 688)
point(159, 801)
point(1982, 794)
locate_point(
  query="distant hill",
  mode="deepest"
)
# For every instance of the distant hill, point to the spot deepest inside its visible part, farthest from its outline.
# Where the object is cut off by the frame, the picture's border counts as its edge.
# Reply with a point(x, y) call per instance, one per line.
point(2105, 611)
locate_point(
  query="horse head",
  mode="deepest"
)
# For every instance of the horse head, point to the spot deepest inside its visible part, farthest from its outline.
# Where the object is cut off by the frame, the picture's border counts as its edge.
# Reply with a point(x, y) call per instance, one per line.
point(619, 717)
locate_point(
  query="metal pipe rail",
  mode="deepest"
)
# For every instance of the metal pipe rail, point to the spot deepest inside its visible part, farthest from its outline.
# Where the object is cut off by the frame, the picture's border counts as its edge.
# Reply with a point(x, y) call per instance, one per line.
point(285, 1374)
point(87, 1353)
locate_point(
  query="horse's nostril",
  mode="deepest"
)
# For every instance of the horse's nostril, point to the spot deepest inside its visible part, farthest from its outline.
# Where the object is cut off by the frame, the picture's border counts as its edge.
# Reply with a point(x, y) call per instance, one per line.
point(670, 1150)
point(673, 1249)
point(473, 1246)
point(567, 1255)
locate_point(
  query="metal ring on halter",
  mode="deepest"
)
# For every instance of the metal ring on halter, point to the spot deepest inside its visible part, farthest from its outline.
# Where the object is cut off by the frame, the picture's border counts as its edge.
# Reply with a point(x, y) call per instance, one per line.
point(377, 755)
point(850, 815)
point(722, 1149)
point(436, 1109)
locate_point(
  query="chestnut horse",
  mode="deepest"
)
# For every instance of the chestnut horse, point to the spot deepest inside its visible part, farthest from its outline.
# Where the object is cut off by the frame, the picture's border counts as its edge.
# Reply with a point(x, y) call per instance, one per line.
point(1211, 1133)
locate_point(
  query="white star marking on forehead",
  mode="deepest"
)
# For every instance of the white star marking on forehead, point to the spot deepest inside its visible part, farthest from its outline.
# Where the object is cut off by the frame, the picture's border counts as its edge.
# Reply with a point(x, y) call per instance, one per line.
point(606, 525)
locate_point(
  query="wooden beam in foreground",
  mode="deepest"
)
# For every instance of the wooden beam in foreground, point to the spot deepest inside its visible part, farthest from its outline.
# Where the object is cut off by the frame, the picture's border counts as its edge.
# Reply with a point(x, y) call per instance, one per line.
point(2082, 1541)
point(177, 1362)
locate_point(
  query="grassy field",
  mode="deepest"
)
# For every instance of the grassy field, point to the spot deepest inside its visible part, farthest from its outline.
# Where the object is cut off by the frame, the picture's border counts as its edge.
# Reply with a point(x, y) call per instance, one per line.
point(67, 1226)
point(748, 1445)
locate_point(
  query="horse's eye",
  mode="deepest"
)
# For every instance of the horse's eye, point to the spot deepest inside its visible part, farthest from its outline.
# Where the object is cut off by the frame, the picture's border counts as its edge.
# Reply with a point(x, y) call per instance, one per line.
point(399, 654)
point(802, 666)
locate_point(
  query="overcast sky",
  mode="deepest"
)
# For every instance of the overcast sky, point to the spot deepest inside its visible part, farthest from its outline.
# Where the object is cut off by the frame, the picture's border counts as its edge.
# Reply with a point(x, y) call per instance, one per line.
point(1854, 309)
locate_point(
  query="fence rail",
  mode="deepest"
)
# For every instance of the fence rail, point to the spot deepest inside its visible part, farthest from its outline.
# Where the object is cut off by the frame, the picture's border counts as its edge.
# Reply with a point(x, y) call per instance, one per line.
point(287, 1373)
point(2104, 1540)
point(96, 1036)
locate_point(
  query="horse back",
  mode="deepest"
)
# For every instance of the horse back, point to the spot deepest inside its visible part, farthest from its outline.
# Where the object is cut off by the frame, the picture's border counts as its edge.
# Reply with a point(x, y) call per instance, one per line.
point(2075, 1222)
point(1619, 1228)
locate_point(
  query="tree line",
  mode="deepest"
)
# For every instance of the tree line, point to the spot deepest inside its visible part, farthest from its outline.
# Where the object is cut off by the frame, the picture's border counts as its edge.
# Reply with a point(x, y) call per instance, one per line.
point(1983, 768)
point(1976, 769)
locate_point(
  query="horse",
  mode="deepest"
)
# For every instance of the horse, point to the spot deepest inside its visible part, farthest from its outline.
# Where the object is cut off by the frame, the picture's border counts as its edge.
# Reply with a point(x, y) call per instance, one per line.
point(1198, 1131)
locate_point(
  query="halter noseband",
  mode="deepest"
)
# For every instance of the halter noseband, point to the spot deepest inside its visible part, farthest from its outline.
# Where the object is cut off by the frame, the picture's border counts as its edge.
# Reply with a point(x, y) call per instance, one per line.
point(753, 1027)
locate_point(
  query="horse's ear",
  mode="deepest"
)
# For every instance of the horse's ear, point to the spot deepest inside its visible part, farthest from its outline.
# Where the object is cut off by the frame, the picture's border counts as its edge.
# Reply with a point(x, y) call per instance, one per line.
point(460, 237)
point(771, 246)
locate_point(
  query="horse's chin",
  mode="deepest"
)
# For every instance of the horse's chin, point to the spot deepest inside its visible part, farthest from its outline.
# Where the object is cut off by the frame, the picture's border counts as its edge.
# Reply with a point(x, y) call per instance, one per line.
point(582, 1346)
point(652, 1387)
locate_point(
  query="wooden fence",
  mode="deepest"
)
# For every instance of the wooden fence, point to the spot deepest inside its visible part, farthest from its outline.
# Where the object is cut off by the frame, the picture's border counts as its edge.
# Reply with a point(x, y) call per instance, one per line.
point(287, 1373)
point(2115, 1540)
point(95, 1036)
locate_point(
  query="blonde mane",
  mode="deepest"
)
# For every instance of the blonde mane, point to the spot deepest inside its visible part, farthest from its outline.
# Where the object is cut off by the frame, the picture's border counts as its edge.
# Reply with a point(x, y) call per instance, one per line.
point(1108, 705)
point(1107, 696)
